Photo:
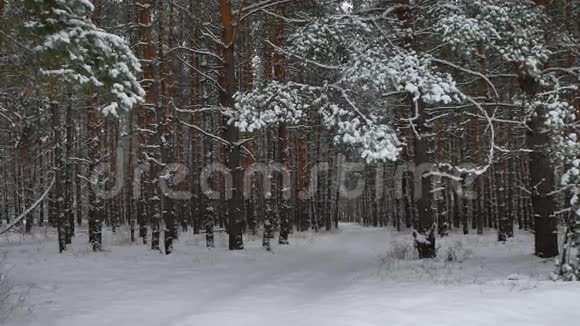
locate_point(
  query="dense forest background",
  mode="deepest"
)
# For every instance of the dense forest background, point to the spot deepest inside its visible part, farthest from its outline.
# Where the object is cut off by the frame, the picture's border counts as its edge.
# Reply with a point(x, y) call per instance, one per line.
point(471, 105)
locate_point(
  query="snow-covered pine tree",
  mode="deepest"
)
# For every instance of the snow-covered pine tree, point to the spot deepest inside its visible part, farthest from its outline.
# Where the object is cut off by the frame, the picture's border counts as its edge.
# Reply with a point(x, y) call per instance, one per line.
point(74, 56)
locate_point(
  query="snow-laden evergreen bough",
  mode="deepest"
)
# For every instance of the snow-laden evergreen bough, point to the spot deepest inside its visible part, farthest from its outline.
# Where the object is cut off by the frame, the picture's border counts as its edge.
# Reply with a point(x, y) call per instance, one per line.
point(290, 103)
point(513, 29)
point(350, 101)
point(72, 50)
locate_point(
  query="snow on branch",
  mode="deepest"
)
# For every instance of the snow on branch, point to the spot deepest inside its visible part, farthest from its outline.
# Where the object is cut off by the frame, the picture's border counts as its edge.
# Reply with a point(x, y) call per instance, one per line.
point(291, 103)
point(329, 40)
point(404, 72)
point(513, 29)
point(72, 50)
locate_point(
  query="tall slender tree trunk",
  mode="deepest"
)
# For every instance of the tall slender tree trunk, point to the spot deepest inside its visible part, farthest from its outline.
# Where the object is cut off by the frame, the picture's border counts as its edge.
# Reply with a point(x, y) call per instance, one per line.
point(541, 174)
point(541, 182)
point(130, 169)
point(24, 173)
point(426, 242)
point(68, 191)
point(145, 113)
point(232, 134)
point(505, 223)
point(478, 207)
point(196, 146)
point(284, 191)
point(440, 195)
point(283, 142)
point(95, 202)
point(300, 184)
point(166, 132)
point(41, 178)
point(58, 192)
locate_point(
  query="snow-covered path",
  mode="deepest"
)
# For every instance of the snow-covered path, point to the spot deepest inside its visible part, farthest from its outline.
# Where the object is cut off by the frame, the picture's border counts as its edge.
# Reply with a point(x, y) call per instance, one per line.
point(325, 279)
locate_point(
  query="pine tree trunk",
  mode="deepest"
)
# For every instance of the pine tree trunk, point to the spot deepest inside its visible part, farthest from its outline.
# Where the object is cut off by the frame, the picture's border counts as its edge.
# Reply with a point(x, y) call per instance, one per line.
point(228, 80)
point(541, 173)
point(426, 243)
point(166, 136)
point(542, 181)
point(58, 192)
point(146, 204)
point(128, 194)
point(41, 178)
point(283, 142)
point(268, 223)
point(78, 168)
point(208, 208)
point(300, 184)
point(95, 202)
point(284, 209)
point(68, 191)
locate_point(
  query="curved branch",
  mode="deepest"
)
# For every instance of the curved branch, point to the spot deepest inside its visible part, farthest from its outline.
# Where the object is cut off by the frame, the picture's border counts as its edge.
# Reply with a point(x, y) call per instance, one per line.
point(469, 71)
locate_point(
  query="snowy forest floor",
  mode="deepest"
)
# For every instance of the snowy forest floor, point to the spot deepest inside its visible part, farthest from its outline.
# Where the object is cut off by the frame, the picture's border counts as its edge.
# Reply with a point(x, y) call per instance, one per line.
point(356, 276)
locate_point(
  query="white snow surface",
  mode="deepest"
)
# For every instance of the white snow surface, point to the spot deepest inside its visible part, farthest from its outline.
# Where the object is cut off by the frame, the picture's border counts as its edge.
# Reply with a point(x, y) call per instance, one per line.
point(354, 277)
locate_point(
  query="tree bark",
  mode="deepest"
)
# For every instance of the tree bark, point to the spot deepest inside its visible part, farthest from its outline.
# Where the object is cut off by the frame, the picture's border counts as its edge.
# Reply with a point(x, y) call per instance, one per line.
point(166, 133)
point(232, 134)
point(426, 243)
point(68, 191)
point(96, 205)
point(145, 115)
point(58, 192)
point(283, 142)
point(541, 174)
point(542, 181)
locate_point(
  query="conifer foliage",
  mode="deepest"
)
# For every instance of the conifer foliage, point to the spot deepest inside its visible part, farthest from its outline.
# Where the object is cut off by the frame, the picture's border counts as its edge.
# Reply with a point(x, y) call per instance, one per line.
point(71, 49)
